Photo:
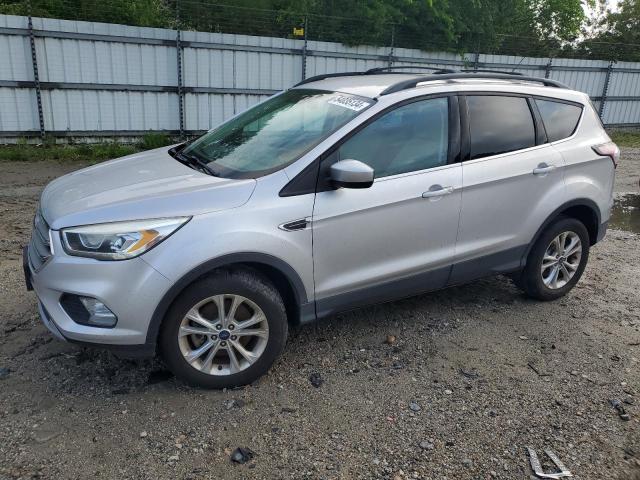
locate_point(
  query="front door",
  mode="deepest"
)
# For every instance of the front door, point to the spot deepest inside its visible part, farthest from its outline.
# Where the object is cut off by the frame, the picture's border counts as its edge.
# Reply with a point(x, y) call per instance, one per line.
point(396, 238)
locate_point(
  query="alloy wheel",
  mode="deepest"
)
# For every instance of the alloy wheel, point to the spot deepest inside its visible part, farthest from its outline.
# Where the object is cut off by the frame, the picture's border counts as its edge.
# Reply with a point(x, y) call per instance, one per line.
point(223, 334)
point(561, 260)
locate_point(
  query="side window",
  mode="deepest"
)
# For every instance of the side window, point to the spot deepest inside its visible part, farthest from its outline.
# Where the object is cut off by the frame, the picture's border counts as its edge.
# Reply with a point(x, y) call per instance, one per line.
point(409, 138)
point(499, 125)
point(560, 119)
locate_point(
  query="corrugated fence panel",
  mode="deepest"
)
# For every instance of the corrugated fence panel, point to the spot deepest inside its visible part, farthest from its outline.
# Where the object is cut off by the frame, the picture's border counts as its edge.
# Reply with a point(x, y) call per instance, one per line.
point(512, 63)
point(622, 112)
point(81, 61)
point(99, 77)
point(588, 81)
point(209, 110)
point(625, 83)
point(15, 52)
point(208, 66)
point(330, 57)
point(98, 110)
point(18, 111)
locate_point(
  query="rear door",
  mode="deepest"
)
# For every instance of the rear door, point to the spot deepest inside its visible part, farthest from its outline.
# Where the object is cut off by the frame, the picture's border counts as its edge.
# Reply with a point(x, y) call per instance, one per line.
point(397, 237)
point(512, 180)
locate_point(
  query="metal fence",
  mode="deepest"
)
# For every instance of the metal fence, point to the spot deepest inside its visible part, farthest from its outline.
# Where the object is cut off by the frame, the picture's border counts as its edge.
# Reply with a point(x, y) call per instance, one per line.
point(69, 78)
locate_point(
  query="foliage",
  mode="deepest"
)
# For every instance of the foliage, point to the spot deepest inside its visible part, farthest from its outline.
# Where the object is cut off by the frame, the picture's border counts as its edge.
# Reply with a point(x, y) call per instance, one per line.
point(155, 140)
point(517, 27)
point(617, 32)
point(145, 13)
point(91, 153)
point(626, 138)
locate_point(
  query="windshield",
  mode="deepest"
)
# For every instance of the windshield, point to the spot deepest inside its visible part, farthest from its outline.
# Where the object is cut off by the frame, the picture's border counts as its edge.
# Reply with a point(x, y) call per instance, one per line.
point(275, 133)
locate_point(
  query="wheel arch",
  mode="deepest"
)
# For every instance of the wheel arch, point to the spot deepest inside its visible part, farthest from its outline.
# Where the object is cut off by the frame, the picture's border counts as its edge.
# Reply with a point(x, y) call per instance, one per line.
point(583, 209)
point(284, 278)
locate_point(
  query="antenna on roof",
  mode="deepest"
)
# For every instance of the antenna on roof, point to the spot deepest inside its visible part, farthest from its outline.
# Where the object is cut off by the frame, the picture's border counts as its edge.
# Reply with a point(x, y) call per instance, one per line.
point(486, 70)
point(518, 64)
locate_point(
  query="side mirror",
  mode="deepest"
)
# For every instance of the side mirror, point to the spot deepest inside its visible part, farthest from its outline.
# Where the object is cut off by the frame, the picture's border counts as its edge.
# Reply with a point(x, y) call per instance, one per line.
point(351, 174)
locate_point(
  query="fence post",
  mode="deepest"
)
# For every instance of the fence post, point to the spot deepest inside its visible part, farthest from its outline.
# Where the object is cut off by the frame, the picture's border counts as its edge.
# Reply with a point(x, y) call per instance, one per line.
point(179, 66)
point(392, 46)
point(36, 77)
point(605, 88)
point(476, 58)
point(547, 68)
point(304, 49)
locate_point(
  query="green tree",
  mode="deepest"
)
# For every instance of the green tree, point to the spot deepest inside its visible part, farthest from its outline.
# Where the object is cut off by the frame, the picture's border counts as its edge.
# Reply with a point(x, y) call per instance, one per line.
point(145, 13)
point(516, 27)
point(615, 35)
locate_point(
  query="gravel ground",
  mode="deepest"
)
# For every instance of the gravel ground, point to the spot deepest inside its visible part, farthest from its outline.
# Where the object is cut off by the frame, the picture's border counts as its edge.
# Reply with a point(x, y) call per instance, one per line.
point(473, 375)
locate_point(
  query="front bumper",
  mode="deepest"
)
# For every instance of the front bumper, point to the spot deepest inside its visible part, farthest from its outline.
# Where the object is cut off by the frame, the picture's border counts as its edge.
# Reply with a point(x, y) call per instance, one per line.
point(130, 288)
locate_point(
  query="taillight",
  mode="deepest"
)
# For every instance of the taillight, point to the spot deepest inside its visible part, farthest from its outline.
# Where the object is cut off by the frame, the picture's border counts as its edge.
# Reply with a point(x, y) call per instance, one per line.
point(610, 150)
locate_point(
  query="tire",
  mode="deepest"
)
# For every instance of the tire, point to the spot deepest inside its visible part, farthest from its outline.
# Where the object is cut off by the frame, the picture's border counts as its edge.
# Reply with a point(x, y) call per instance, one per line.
point(532, 279)
point(254, 298)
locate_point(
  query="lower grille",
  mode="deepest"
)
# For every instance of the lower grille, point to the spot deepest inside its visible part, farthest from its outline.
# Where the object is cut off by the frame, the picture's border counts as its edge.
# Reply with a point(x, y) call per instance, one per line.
point(74, 308)
point(39, 246)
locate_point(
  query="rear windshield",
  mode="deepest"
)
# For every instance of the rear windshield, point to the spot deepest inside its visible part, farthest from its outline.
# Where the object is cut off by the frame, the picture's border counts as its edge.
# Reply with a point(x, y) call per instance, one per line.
point(275, 133)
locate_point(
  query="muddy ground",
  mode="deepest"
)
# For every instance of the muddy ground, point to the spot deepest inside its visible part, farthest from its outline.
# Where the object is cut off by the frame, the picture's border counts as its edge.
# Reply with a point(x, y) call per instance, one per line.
point(477, 373)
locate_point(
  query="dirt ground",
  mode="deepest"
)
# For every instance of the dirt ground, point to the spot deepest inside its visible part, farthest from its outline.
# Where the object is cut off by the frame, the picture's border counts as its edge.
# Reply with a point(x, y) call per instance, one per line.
point(477, 373)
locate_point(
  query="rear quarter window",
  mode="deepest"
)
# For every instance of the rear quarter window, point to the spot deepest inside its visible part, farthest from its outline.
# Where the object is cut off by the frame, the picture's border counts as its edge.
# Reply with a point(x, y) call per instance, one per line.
point(560, 119)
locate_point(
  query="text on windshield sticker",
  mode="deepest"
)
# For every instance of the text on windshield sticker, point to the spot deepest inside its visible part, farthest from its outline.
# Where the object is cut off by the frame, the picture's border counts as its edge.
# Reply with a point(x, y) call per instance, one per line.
point(351, 103)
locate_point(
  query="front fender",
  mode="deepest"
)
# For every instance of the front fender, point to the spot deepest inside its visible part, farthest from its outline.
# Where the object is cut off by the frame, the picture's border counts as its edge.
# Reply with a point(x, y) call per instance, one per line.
point(198, 248)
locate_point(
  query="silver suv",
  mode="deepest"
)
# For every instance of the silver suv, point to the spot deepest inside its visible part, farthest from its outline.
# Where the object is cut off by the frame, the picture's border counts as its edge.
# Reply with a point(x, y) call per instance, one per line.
point(345, 190)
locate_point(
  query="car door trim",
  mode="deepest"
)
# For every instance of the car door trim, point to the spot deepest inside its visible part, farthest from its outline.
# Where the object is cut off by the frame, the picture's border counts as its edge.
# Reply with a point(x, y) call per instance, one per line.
point(505, 261)
point(541, 131)
point(506, 154)
point(383, 292)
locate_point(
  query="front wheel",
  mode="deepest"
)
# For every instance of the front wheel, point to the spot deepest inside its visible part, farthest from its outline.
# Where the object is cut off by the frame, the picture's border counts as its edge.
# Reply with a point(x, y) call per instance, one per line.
point(225, 330)
point(556, 261)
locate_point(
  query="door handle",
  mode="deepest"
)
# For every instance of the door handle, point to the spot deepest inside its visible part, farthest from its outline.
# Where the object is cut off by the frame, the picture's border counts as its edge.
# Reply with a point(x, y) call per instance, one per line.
point(437, 191)
point(543, 168)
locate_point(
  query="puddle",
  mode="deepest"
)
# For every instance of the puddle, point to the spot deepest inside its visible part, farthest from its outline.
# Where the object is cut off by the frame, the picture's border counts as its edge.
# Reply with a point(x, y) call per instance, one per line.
point(626, 213)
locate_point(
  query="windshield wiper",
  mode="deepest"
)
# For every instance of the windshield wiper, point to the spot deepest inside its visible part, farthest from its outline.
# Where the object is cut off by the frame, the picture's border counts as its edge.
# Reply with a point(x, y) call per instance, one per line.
point(194, 160)
point(191, 160)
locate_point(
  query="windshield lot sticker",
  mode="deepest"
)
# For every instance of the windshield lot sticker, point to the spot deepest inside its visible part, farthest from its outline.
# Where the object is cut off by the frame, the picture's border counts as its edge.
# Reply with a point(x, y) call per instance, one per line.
point(354, 104)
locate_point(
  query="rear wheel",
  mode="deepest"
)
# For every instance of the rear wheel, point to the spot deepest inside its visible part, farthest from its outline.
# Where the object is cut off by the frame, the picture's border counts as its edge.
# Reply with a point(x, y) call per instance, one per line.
point(556, 261)
point(225, 330)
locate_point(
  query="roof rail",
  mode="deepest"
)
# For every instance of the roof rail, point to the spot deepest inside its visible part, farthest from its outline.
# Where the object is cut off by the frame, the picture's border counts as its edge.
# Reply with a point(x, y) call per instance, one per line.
point(436, 75)
point(373, 71)
point(413, 82)
point(486, 70)
point(328, 75)
point(404, 67)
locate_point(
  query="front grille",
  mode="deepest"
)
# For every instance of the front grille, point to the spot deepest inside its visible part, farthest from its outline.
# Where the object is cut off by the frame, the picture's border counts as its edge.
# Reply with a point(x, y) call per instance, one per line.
point(39, 247)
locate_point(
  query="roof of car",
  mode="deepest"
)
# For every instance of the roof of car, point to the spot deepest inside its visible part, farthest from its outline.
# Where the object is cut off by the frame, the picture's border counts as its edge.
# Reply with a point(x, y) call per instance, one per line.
point(376, 82)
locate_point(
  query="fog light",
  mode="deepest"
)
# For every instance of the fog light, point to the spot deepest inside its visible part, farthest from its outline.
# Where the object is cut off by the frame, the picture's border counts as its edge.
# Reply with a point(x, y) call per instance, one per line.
point(99, 313)
point(87, 311)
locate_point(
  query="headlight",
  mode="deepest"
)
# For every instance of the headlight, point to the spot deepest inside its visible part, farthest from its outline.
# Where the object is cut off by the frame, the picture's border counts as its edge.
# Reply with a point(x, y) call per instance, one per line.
point(118, 240)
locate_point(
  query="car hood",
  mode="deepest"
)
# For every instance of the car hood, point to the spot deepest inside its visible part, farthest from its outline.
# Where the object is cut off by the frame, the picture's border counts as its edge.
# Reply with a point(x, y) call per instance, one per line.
point(150, 184)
